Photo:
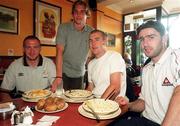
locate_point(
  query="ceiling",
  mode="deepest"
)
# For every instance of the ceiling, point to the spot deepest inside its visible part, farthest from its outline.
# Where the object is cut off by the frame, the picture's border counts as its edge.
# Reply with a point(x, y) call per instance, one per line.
point(129, 6)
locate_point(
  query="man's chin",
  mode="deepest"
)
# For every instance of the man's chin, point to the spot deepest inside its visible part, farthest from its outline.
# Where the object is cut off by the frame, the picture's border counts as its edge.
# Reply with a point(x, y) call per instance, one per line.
point(32, 58)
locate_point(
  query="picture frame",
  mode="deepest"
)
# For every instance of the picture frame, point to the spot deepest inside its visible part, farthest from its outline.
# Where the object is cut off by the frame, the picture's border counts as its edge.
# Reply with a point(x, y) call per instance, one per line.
point(47, 18)
point(111, 40)
point(9, 19)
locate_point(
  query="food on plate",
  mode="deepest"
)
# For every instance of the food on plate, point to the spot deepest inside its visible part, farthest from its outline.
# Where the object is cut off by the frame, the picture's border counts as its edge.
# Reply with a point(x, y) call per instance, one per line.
point(51, 104)
point(50, 107)
point(101, 106)
point(40, 104)
point(77, 93)
point(38, 93)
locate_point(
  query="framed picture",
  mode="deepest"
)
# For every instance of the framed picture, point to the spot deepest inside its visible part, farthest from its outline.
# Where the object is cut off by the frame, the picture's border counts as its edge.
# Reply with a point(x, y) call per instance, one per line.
point(46, 22)
point(111, 40)
point(9, 20)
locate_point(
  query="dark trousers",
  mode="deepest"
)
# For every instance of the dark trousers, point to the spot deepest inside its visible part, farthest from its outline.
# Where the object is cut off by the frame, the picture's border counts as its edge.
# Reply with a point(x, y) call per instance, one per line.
point(133, 121)
point(72, 83)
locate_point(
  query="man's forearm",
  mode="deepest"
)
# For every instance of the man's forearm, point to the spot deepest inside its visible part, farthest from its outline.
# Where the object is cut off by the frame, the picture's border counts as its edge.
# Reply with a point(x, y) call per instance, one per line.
point(172, 117)
point(59, 59)
point(137, 106)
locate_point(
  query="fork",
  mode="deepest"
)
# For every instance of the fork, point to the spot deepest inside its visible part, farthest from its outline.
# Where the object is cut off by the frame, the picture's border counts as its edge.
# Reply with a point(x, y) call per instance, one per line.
point(94, 113)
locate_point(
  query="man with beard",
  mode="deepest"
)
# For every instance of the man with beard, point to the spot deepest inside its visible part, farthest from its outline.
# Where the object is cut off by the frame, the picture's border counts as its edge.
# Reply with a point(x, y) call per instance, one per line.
point(32, 71)
point(159, 99)
point(72, 49)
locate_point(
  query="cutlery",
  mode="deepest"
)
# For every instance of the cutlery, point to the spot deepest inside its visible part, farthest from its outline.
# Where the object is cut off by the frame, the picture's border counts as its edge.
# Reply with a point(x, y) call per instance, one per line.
point(93, 113)
point(110, 95)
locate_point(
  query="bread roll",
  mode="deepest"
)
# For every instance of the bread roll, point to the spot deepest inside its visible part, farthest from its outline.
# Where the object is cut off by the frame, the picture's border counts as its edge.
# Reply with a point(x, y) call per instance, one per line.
point(60, 103)
point(50, 107)
point(40, 104)
point(49, 100)
point(51, 104)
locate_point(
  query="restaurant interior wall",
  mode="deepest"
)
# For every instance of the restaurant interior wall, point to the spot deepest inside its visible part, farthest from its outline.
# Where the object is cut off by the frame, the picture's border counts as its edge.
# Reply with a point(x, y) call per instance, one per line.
point(110, 22)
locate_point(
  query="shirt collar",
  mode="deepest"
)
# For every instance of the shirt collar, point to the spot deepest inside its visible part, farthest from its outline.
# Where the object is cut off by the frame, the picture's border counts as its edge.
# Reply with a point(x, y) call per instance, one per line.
point(73, 28)
point(39, 64)
point(163, 57)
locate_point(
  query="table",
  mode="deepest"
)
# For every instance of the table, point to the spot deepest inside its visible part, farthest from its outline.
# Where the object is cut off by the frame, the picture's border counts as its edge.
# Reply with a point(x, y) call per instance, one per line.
point(69, 117)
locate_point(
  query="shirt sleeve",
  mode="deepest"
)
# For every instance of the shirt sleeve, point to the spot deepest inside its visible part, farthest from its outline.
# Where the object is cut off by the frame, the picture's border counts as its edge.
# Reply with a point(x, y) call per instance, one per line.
point(175, 67)
point(61, 35)
point(117, 63)
point(9, 78)
point(89, 73)
point(51, 68)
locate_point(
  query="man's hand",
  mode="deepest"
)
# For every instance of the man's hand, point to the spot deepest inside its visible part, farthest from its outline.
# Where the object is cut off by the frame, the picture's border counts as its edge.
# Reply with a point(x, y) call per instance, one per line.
point(122, 100)
point(55, 84)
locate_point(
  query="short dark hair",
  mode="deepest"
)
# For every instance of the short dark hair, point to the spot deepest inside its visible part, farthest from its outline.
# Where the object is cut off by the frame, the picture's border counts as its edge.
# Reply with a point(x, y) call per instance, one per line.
point(158, 26)
point(30, 37)
point(104, 35)
point(80, 2)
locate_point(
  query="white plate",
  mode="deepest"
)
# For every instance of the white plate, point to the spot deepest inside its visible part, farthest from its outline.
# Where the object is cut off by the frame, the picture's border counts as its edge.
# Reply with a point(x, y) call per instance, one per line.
point(30, 100)
point(102, 117)
point(35, 99)
point(29, 94)
point(76, 100)
point(42, 111)
point(101, 106)
point(77, 93)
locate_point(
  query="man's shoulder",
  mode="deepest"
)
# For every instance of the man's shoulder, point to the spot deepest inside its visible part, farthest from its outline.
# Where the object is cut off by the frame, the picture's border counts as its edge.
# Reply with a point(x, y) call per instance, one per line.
point(47, 59)
point(113, 53)
point(66, 24)
point(18, 61)
point(176, 55)
point(89, 28)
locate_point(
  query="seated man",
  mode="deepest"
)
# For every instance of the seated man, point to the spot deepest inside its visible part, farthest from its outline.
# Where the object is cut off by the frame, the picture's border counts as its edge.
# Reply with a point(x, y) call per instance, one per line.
point(159, 99)
point(107, 71)
point(32, 71)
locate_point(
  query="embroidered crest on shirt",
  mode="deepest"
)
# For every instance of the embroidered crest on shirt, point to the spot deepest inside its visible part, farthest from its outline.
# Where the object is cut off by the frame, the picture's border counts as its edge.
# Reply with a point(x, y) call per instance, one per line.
point(20, 74)
point(166, 82)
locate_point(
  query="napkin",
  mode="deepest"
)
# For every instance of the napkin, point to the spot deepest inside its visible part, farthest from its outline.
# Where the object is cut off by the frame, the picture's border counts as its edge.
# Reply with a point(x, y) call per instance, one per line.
point(47, 120)
point(8, 106)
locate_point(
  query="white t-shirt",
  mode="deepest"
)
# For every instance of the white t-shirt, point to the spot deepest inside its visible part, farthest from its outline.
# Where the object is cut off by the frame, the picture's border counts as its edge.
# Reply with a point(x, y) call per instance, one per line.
point(26, 78)
point(99, 70)
point(158, 83)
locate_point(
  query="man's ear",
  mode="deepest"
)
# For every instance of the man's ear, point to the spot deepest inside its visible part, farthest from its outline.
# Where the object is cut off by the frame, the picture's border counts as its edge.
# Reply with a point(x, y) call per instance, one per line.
point(165, 39)
point(105, 40)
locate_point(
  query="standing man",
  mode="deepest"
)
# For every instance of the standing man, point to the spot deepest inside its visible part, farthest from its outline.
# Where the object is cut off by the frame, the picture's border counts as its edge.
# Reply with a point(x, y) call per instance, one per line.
point(107, 71)
point(32, 71)
point(72, 49)
point(159, 99)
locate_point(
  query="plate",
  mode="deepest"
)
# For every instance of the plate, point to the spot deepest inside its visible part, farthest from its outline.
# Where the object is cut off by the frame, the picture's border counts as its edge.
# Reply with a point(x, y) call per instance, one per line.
point(76, 100)
point(30, 100)
point(77, 93)
point(34, 94)
point(35, 99)
point(100, 106)
point(101, 117)
point(42, 111)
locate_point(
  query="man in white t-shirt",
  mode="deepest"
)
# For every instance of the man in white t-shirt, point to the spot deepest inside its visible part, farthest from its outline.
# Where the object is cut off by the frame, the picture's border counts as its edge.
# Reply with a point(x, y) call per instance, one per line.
point(159, 99)
point(107, 71)
point(31, 71)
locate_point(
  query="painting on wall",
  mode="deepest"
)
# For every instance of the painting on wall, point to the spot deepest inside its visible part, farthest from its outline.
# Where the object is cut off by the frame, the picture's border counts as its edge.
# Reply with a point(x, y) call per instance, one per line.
point(8, 20)
point(111, 40)
point(46, 22)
